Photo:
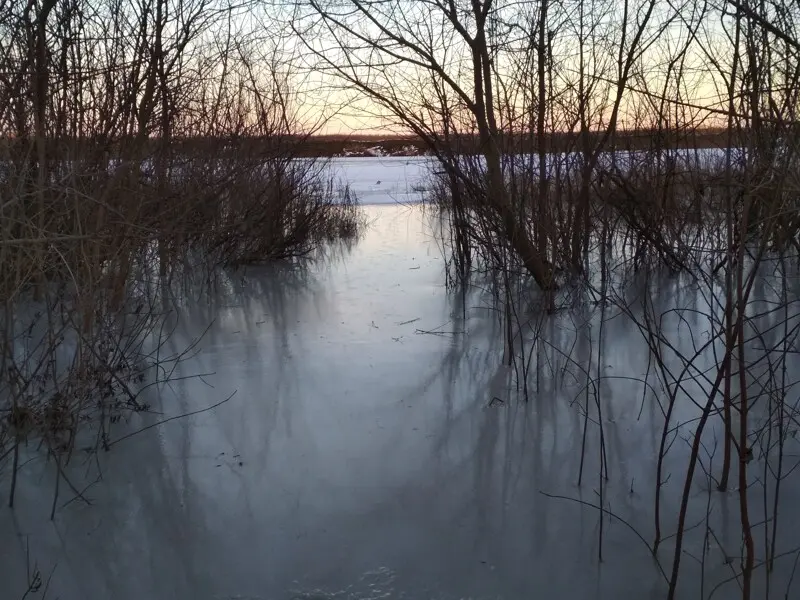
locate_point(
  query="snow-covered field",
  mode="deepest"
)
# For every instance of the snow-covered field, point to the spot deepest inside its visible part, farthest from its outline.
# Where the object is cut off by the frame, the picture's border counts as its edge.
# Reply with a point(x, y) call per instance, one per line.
point(390, 180)
point(386, 180)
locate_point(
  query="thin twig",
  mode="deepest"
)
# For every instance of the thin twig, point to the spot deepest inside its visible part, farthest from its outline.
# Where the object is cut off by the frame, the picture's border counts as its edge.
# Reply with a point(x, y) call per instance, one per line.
point(181, 416)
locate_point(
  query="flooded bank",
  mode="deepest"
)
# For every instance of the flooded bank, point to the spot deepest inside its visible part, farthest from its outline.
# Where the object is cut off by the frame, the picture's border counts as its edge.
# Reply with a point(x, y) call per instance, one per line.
point(376, 447)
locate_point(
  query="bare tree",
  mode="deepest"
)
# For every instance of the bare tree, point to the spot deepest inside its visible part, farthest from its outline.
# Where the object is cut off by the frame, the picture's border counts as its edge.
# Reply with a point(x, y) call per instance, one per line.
point(389, 50)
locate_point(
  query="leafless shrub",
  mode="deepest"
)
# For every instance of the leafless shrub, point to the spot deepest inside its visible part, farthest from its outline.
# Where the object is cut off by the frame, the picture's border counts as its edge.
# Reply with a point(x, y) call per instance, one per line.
point(140, 143)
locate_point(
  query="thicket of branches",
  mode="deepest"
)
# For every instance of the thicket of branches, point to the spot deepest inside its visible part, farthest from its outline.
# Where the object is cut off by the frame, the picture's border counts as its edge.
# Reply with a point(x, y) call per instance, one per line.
point(557, 192)
point(141, 141)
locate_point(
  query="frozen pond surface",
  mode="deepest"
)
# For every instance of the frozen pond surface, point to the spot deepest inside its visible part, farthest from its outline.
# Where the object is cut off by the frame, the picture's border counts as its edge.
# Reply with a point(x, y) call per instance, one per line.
point(389, 180)
point(364, 459)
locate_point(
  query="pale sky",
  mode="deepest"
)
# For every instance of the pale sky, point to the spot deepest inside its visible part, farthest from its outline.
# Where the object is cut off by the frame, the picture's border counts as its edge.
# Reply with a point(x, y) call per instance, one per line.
point(345, 110)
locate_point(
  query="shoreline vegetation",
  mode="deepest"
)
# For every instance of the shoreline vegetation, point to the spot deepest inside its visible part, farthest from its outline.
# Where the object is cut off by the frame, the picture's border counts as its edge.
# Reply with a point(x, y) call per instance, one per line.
point(375, 145)
point(107, 218)
point(405, 145)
